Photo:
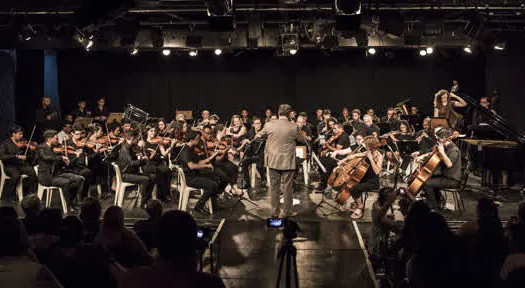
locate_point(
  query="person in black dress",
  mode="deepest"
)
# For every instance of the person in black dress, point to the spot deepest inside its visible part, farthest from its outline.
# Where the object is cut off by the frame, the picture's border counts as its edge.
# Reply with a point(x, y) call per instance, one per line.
point(157, 154)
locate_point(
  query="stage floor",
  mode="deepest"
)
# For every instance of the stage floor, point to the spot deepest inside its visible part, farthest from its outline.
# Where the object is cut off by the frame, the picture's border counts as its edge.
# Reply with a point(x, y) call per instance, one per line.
point(329, 253)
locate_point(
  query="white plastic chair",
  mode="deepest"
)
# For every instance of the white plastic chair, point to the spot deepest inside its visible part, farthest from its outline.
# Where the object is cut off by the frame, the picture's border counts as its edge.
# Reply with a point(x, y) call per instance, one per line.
point(184, 191)
point(121, 186)
point(49, 194)
point(4, 177)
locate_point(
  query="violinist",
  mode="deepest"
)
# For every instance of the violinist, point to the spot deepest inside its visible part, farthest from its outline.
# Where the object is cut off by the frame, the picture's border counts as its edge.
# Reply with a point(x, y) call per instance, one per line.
point(318, 118)
point(96, 148)
point(307, 124)
point(214, 119)
point(323, 127)
point(339, 141)
point(370, 180)
point(448, 174)
point(126, 126)
point(51, 170)
point(254, 153)
point(115, 133)
point(12, 153)
point(129, 162)
point(204, 120)
point(65, 133)
point(216, 152)
point(268, 115)
point(305, 130)
point(165, 130)
point(355, 124)
point(77, 161)
point(157, 153)
point(237, 130)
point(402, 135)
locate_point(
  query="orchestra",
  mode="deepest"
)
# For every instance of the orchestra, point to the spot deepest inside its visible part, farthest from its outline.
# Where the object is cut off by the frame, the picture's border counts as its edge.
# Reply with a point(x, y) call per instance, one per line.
point(349, 150)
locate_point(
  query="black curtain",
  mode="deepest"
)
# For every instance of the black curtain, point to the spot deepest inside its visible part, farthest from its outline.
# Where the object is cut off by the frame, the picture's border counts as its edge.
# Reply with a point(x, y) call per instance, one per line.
point(7, 90)
point(29, 86)
point(259, 79)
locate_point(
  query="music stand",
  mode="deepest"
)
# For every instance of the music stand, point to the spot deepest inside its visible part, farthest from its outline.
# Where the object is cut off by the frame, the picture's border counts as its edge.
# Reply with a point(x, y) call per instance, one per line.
point(384, 128)
point(407, 147)
point(135, 115)
point(188, 114)
point(84, 121)
point(115, 117)
point(437, 122)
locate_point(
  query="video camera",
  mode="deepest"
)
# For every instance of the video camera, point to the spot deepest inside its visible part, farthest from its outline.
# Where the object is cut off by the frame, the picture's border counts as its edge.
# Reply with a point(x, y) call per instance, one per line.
point(290, 227)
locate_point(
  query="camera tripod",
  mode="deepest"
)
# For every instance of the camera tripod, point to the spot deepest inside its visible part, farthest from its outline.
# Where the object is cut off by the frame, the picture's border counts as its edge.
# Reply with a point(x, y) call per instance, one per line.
point(288, 254)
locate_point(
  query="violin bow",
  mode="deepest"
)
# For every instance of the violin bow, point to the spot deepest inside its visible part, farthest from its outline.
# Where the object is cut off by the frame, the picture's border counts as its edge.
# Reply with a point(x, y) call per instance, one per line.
point(107, 131)
point(30, 138)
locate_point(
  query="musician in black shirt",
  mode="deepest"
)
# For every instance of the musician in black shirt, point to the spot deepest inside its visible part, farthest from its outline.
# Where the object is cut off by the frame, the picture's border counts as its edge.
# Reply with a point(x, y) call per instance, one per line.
point(101, 113)
point(15, 161)
point(253, 153)
point(198, 172)
point(157, 154)
point(46, 116)
point(342, 142)
point(448, 174)
point(369, 128)
point(80, 111)
point(129, 163)
point(425, 137)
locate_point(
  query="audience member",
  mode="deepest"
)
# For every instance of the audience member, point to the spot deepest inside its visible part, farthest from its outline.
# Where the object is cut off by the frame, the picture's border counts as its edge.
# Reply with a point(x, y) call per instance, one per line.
point(47, 238)
point(146, 228)
point(17, 268)
point(90, 212)
point(176, 239)
point(124, 244)
point(32, 208)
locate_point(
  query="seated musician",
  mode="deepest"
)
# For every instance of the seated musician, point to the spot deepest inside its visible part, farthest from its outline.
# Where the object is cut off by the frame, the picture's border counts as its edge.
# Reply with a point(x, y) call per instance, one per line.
point(372, 114)
point(157, 151)
point(214, 119)
point(65, 133)
point(477, 117)
point(403, 134)
point(268, 115)
point(340, 143)
point(318, 118)
point(126, 126)
point(197, 172)
point(369, 128)
point(305, 130)
point(129, 161)
point(444, 107)
point(323, 127)
point(415, 117)
point(370, 180)
point(345, 116)
point(77, 161)
point(164, 130)
point(205, 118)
point(96, 152)
point(448, 174)
point(253, 153)
point(237, 130)
point(51, 172)
point(425, 137)
point(81, 111)
point(224, 168)
point(115, 132)
point(391, 119)
point(308, 124)
point(355, 124)
point(101, 113)
point(15, 161)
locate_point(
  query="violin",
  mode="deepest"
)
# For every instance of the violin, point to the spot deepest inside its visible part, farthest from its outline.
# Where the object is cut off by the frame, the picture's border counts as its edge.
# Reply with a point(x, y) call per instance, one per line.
point(330, 141)
point(24, 144)
point(64, 150)
point(161, 140)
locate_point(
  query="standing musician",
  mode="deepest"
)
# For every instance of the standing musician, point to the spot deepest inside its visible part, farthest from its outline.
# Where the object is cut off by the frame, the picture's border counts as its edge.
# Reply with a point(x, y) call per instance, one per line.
point(445, 108)
point(370, 180)
point(340, 141)
point(80, 111)
point(12, 153)
point(130, 159)
point(51, 172)
point(369, 128)
point(253, 153)
point(448, 174)
point(101, 113)
point(236, 130)
point(197, 172)
point(157, 150)
point(216, 152)
point(77, 161)
point(46, 116)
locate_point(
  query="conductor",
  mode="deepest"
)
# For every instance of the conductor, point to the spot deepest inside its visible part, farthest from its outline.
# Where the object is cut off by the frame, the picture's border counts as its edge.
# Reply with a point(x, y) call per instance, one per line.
point(279, 157)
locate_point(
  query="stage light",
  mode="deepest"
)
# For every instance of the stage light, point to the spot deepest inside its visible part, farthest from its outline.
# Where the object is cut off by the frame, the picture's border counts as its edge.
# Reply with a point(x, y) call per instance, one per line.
point(166, 52)
point(134, 51)
point(467, 50)
point(27, 33)
point(430, 50)
point(371, 51)
point(499, 46)
point(293, 51)
point(89, 44)
point(423, 52)
point(193, 53)
point(218, 51)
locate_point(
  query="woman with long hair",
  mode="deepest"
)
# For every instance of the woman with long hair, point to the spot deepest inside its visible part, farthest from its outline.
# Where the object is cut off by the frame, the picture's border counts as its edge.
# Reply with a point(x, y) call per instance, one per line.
point(444, 107)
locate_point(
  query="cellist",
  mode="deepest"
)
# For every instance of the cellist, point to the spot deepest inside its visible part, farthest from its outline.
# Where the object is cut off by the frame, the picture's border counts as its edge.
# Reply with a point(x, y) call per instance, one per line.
point(342, 141)
point(448, 174)
point(370, 180)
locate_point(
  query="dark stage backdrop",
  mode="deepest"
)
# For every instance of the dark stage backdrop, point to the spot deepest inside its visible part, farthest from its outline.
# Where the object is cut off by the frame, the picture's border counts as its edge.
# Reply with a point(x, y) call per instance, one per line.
point(258, 79)
point(29, 86)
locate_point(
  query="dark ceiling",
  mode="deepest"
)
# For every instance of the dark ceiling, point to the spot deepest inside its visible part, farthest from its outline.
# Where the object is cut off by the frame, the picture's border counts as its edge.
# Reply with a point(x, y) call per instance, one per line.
point(258, 24)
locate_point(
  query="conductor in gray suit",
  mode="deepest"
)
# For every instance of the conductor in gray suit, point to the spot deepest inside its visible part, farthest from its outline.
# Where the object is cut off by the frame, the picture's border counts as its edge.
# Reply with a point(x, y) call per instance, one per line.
point(279, 156)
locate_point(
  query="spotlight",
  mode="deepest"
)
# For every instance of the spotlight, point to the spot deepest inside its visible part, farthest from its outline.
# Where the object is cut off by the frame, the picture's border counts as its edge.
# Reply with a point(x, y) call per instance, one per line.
point(89, 44)
point(293, 51)
point(135, 51)
point(467, 50)
point(499, 46)
point(430, 50)
point(166, 52)
point(218, 51)
point(193, 53)
point(27, 33)
point(423, 52)
point(371, 51)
